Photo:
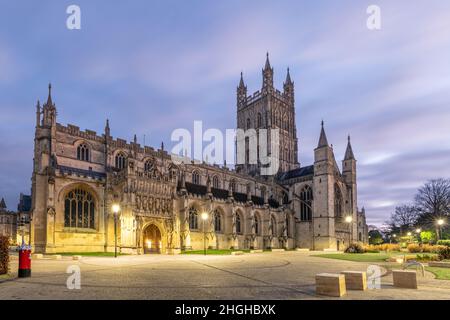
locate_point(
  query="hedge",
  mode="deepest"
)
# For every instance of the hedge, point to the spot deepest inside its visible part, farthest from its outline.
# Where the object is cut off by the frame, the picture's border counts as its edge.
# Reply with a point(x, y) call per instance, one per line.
point(444, 243)
point(4, 254)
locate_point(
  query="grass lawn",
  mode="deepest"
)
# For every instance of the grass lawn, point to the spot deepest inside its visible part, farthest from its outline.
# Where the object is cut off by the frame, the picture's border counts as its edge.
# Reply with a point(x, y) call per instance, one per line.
point(357, 257)
point(213, 251)
point(91, 254)
point(440, 273)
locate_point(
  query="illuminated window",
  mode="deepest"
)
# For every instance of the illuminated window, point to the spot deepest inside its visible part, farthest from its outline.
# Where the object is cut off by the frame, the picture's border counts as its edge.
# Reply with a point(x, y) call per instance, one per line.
point(193, 218)
point(79, 209)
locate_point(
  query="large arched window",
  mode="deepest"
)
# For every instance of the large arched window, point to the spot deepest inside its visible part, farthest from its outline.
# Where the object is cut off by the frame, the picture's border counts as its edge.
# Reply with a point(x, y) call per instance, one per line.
point(217, 221)
point(238, 223)
point(337, 201)
point(79, 209)
point(193, 219)
point(195, 177)
point(306, 197)
point(216, 182)
point(274, 226)
point(83, 153)
point(121, 161)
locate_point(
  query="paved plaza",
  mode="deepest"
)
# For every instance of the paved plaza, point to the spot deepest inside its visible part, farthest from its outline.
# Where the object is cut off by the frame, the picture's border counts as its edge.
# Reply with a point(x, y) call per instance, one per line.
point(284, 275)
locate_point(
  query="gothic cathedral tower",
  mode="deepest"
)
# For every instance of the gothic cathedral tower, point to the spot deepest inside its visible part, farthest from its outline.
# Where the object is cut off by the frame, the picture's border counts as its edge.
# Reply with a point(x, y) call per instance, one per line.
point(269, 108)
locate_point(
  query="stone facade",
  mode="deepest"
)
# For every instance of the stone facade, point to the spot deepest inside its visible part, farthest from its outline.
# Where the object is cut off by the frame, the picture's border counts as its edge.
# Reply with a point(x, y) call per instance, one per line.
point(8, 222)
point(165, 208)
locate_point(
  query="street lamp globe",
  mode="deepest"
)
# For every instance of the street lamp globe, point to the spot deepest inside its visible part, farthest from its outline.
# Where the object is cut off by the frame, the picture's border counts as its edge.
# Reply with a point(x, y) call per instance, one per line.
point(115, 208)
point(348, 219)
point(409, 234)
point(440, 222)
point(204, 216)
point(418, 230)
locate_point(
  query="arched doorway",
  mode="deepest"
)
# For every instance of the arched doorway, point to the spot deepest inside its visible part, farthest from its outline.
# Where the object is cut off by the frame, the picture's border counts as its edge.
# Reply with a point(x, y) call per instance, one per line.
point(152, 239)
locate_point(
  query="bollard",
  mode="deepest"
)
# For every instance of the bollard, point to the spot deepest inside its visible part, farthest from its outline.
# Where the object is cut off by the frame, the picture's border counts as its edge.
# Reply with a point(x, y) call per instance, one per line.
point(24, 261)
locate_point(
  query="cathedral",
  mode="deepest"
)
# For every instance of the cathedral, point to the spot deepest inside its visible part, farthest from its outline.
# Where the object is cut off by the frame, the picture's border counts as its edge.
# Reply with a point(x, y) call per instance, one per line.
point(95, 193)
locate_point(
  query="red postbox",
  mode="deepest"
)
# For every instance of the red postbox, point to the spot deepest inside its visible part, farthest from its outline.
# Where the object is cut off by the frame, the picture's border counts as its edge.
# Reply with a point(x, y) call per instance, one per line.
point(24, 261)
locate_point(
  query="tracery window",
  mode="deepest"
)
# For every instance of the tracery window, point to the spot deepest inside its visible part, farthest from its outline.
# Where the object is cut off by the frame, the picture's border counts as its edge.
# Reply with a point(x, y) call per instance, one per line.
point(217, 221)
point(83, 152)
point(337, 201)
point(79, 209)
point(216, 182)
point(148, 166)
point(306, 197)
point(120, 161)
point(257, 231)
point(238, 223)
point(195, 177)
point(193, 219)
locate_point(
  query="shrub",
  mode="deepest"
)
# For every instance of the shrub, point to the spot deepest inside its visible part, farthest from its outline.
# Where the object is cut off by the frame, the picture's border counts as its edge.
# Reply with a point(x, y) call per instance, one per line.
point(444, 243)
point(4, 254)
point(414, 248)
point(444, 253)
point(354, 248)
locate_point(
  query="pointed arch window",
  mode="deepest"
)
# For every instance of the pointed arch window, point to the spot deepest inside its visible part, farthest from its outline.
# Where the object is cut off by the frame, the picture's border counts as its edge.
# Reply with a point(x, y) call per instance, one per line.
point(79, 209)
point(274, 226)
point(83, 152)
point(148, 166)
point(217, 221)
point(216, 183)
point(238, 223)
point(195, 177)
point(233, 185)
point(337, 201)
point(120, 161)
point(248, 123)
point(257, 225)
point(259, 120)
point(288, 226)
point(193, 218)
point(306, 197)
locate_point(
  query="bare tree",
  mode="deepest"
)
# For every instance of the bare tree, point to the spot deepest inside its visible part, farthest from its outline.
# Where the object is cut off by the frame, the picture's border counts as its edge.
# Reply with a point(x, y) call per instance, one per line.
point(404, 217)
point(432, 202)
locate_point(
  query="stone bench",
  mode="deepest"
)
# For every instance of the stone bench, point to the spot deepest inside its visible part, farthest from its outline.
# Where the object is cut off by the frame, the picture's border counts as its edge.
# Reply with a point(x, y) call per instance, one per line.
point(257, 251)
point(37, 256)
point(355, 280)
point(330, 284)
point(405, 279)
point(278, 250)
point(302, 249)
point(237, 253)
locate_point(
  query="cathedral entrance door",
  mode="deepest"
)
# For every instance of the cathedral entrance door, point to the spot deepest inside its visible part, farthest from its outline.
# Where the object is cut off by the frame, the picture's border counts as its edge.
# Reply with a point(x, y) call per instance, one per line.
point(152, 239)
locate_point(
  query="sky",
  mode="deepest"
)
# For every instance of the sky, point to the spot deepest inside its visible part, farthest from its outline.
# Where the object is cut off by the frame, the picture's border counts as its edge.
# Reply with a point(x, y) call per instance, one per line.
point(154, 66)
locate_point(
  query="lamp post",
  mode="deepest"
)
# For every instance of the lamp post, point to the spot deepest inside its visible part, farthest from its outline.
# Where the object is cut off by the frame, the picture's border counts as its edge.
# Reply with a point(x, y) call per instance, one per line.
point(349, 219)
point(204, 218)
point(115, 210)
point(440, 223)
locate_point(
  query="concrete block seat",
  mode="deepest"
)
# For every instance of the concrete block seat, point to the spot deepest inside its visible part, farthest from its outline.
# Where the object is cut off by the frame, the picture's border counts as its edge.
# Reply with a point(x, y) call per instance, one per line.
point(355, 280)
point(330, 284)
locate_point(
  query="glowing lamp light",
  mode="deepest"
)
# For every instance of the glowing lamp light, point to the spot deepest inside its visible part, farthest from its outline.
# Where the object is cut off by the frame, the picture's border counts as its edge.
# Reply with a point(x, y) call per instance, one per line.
point(115, 208)
point(418, 230)
point(409, 234)
point(440, 222)
point(149, 244)
point(348, 219)
point(395, 235)
point(204, 216)
point(400, 260)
